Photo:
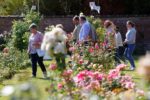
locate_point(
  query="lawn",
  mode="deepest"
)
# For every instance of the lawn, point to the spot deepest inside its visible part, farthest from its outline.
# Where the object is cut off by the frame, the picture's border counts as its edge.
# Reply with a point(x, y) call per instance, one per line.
point(25, 76)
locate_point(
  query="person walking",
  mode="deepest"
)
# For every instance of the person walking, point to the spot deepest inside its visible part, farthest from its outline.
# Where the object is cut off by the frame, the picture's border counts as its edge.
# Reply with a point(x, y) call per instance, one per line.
point(130, 43)
point(77, 28)
point(119, 47)
point(87, 33)
point(34, 46)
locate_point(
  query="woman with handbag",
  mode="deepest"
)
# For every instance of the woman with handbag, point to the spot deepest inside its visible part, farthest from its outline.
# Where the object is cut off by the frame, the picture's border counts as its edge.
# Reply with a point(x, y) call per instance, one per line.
point(130, 43)
point(36, 54)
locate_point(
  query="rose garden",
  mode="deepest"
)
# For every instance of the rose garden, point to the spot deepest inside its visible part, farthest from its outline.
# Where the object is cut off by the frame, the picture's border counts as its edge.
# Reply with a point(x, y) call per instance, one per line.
point(75, 70)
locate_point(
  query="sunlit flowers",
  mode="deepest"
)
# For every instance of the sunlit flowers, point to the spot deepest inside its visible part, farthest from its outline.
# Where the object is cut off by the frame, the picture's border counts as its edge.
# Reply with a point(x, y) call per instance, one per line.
point(121, 66)
point(88, 79)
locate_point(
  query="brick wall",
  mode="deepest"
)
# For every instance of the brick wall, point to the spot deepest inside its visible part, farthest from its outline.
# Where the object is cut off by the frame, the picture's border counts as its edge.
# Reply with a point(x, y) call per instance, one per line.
point(142, 25)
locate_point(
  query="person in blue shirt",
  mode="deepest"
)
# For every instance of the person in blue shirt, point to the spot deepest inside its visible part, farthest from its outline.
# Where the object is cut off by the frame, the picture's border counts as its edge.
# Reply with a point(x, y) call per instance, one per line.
point(130, 43)
point(87, 32)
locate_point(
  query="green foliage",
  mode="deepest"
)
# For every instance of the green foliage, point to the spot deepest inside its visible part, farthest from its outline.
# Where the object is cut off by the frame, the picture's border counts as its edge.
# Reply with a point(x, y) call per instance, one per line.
point(73, 7)
point(32, 17)
point(4, 38)
point(98, 25)
point(14, 7)
point(12, 61)
point(19, 30)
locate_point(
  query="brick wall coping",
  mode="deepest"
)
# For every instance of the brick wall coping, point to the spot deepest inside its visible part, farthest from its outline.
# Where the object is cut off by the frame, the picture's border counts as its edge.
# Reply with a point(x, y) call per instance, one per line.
point(70, 16)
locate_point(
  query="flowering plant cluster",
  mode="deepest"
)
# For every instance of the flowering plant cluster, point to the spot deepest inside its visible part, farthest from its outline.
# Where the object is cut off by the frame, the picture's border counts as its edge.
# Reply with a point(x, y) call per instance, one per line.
point(97, 81)
point(92, 54)
point(74, 84)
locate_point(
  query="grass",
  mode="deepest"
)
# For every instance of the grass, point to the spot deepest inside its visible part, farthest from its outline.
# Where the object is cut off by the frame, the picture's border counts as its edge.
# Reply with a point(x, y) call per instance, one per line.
point(25, 75)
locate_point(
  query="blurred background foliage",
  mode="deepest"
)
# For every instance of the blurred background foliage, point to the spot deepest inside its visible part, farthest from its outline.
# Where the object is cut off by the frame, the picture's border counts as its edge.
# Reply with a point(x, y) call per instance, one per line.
point(74, 7)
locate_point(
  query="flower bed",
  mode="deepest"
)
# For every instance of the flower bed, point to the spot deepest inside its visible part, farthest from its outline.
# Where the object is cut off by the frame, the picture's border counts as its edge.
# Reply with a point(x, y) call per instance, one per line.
point(83, 78)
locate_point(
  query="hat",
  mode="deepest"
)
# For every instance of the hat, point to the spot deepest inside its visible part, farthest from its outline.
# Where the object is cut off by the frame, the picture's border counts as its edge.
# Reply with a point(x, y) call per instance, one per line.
point(33, 25)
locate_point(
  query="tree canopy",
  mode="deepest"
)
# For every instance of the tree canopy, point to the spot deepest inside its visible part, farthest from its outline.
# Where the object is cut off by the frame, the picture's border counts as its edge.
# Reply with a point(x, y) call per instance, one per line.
point(73, 7)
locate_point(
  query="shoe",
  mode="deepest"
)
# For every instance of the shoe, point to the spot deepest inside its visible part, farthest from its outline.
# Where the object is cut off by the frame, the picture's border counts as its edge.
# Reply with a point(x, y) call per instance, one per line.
point(132, 68)
point(45, 75)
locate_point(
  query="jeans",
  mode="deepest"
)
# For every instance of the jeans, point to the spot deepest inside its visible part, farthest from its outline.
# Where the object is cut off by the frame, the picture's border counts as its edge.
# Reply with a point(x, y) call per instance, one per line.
point(34, 60)
point(128, 54)
point(119, 55)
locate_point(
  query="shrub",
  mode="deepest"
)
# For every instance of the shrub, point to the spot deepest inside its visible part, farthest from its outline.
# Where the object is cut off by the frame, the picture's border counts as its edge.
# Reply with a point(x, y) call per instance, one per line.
point(4, 38)
point(19, 29)
point(20, 32)
point(97, 24)
point(12, 61)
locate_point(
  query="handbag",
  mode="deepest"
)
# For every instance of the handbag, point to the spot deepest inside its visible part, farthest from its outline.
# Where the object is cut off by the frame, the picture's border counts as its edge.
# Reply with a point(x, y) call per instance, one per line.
point(40, 52)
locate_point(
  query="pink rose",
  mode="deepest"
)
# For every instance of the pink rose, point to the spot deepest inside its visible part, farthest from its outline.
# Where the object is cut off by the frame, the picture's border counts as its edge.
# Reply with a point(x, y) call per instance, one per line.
point(121, 66)
point(91, 50)
point(140, 92)
point(81, 61)
point(96, 46)
point(125, 79)
point(67, 73)
point(129, 85)
point(113, 74)
point(104, 44)
point(72, 49)
point(53, 67)
point(60, 86)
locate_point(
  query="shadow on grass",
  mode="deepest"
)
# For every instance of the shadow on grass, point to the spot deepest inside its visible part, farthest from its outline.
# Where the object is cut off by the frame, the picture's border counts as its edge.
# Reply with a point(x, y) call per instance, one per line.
point(48, 78)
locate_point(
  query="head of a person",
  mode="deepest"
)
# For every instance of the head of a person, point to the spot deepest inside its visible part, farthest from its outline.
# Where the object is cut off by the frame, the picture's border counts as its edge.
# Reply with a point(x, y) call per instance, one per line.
point(116, 29)
point(82, 19)
point(75, 20)
point(108, 23)
point(130, 24)
point(33, 28)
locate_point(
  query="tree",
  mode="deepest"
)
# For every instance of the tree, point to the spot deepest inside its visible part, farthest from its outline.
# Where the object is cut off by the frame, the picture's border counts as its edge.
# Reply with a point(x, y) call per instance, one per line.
point(14, 7)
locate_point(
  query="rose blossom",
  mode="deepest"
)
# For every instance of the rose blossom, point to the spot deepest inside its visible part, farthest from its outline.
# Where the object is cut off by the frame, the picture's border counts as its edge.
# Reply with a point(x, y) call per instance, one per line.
point(113, 74)
point(140, 92)
point(81, 61)
point(129, 85)
point(121, 66)
point(53, 67)
point(125, 79)
point(67, 73)
point(96, 46)
point(91, 50)
point(86, 79)
point(60, 86)
point(72, 49)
